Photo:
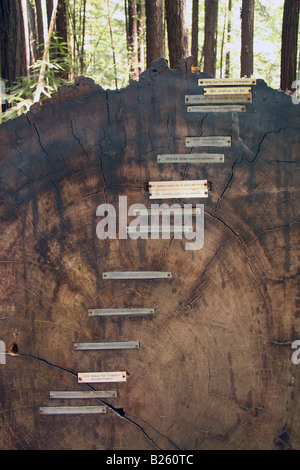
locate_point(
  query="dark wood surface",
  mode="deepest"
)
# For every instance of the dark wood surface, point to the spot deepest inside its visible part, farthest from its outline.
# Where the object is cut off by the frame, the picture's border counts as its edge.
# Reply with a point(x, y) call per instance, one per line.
point(214, 369)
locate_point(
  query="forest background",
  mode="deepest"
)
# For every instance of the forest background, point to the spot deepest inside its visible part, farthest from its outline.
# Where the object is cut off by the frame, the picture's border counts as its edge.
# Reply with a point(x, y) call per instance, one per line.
point(47, 43)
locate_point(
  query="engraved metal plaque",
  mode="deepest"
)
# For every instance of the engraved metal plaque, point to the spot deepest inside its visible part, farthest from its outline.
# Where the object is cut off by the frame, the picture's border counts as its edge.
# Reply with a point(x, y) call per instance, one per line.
point(137, 275)
point(110, 345)
point(99, 377)
point(178, 189)
point(120, 311)
point(227, 91)
point(216, 109)
point(79, 395)
point(214, 99)
point(72, 410)
point(170, 211)
point(159, 229)
point(226, 81)
point(211, 141)
point(192, 158)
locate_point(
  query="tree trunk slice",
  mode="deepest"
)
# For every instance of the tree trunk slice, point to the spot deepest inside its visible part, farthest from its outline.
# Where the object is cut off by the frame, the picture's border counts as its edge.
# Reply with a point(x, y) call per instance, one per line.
point(214, 368)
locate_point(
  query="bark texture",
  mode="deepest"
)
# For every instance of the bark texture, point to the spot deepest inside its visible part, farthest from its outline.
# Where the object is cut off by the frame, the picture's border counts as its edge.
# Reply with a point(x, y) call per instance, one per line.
point(154, 30)
point(247, 16)
point(210, 36)
point(214, 369)
point(290, 25)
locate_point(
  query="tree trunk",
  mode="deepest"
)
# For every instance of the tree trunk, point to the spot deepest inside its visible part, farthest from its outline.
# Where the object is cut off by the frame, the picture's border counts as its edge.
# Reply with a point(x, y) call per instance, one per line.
point(140, 34)
point(227, 58)
point(210, 36)
point(195, 32)
point(247, 16)
point(112, 43)
point(177, 40)
point(12, 40)
point(133, 40)
point(290, 25)
point(214, 369)
point(154, 31)
point(61, 30)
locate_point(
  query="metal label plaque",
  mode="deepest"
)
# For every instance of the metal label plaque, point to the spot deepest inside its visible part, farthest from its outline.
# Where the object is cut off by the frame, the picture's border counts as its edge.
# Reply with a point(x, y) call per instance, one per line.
point(83, 395)
point(72, 410)
point(227, 91)
point(226, 81)
point(216, 109)
point(213, 99)
point(171, 211)
point(211, 141)
point(159, 229)
point(138, 275)
point(120, 311)
point(192, 158)
point(99, 377)
point(178, 189)
point(110, 345)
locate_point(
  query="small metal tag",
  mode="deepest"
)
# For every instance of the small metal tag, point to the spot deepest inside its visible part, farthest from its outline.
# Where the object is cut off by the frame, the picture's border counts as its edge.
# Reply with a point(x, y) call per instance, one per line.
point(226, 81)
point(170, 211)
point(98, 377)
point(178, 189)
point(111, 345)
point(138, 275)
point(227, 91)
point(215, 99)
point(120, 311)
point(211, 141)
point(72, 410)
point(216, 109)
point(192, 158)
point(85, 395)
point(159, 229)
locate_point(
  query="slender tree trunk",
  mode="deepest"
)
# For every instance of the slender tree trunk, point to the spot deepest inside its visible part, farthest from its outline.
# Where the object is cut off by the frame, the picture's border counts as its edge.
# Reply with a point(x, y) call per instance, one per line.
point(210, 39)
point(177, 38)
point(247, 16)
point(222, 46)
point(133, 40)
point(154, 31)
point(12, 40)
point(41, 79)
point(227, 60)
point(82, 61)
point(112, 43)
point(40, 28)
point(195, 31)
point(290, 25)
point(140, 34)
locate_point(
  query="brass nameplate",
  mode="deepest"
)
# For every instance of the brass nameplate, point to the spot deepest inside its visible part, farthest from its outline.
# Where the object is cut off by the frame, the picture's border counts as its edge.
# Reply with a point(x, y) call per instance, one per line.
point(178, 189)
point(192, 158)
point(98, 377)
point(216, 109)
point(226, 81)
point(211, 141)
point(215, 99)
point(227, 91)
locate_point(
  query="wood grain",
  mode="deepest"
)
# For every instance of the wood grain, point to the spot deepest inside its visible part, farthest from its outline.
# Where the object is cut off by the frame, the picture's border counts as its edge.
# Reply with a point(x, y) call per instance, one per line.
point(214, 367)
